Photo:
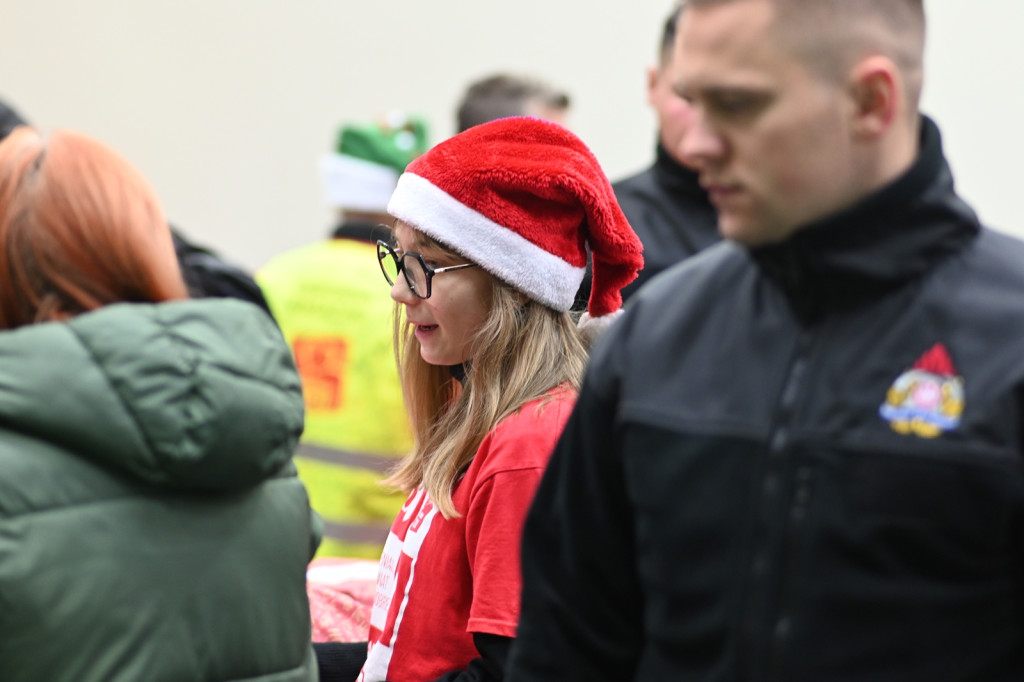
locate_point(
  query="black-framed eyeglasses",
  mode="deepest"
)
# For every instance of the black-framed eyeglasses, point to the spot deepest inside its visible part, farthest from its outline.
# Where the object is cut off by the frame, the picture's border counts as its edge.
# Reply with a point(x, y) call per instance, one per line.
point(418, 275)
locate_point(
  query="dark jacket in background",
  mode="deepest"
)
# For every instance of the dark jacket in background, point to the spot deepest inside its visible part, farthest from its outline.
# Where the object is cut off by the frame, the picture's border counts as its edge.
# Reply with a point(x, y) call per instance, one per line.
point(151, 523)
point(670, 212)
point(207, 275)
point(803, 462)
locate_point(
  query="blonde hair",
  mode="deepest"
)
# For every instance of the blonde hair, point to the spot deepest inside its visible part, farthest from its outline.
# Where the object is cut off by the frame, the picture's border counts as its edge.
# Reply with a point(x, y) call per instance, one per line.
point(520, 354)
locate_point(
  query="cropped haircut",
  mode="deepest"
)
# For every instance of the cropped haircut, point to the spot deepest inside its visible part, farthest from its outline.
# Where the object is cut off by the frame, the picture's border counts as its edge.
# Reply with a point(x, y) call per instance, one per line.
point(80, 228)
point(668, 35)
point(521, 353)
point(504, 95)
point(830, 36)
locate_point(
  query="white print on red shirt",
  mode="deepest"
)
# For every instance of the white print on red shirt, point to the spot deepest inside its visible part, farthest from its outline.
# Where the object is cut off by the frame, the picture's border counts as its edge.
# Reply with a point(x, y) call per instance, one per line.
point(396, 571)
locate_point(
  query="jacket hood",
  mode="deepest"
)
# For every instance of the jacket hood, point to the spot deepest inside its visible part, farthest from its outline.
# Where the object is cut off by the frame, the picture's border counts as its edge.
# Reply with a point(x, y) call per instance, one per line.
point(193, 395)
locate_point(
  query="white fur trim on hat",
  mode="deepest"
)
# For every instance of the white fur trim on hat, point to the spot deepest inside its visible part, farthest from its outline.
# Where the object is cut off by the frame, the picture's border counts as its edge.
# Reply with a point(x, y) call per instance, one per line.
point(356, 184)
point(592, 328)
point(536, 272)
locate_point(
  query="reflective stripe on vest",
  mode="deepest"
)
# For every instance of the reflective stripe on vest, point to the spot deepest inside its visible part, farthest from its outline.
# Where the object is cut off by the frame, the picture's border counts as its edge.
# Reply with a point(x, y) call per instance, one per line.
point(345, 458)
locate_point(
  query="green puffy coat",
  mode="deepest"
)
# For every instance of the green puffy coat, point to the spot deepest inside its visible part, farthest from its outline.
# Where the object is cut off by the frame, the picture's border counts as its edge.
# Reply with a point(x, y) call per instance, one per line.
point(151, 524)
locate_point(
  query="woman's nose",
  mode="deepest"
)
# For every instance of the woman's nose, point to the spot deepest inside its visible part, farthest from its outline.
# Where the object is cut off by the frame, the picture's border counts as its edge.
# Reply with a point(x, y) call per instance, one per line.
point(400, 291)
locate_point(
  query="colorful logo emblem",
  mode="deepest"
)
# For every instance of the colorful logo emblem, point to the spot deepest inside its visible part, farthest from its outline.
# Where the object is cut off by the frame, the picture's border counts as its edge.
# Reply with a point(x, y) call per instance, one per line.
point(927, 399)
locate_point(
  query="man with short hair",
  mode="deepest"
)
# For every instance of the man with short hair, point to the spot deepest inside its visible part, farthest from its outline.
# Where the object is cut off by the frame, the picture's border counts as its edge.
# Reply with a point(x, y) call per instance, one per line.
point(502, 95)
point(798, 455)
point(665, 204)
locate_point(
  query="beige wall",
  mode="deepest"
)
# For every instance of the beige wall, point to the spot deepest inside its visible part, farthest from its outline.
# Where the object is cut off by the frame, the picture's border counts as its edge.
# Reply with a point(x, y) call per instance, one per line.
point(226, 105)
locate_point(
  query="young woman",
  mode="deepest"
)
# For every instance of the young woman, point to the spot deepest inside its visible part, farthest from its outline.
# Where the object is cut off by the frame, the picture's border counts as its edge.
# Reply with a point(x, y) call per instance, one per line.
point(488, 249)
point(151, 525)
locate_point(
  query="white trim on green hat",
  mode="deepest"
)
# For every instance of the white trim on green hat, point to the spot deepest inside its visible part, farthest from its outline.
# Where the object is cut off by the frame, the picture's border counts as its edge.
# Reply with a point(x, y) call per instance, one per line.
point(356, 184)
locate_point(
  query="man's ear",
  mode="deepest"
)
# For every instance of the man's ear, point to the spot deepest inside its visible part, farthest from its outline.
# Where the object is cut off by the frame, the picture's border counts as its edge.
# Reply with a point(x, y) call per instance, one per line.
point(876, 91)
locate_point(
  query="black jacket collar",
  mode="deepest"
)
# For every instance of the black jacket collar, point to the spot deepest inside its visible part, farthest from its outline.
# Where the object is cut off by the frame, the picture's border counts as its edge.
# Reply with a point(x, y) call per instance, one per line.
point(888, 238)
point(677, 178)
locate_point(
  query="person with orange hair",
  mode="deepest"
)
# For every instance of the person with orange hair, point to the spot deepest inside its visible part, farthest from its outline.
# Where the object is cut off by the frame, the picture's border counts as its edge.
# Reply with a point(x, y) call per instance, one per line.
point(151, 523)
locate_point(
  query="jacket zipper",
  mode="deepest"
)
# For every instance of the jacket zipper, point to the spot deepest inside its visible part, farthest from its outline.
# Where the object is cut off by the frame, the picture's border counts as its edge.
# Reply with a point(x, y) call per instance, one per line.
point(782, 630)
point(772, 487)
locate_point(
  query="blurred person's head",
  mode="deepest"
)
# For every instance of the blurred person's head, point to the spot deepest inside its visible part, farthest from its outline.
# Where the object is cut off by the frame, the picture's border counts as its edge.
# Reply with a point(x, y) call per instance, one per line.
point(504, 95)
point(799, 108)
point(672, 111)
point(362, 170)
point(80, 228)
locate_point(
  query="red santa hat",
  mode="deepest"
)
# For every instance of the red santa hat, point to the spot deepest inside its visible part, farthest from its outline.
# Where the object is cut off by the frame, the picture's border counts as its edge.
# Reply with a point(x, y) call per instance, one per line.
point(524, 198)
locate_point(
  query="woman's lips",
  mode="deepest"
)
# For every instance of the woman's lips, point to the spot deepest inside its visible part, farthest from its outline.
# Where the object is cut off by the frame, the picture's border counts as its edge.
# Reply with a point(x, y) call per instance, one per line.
point(424, 330)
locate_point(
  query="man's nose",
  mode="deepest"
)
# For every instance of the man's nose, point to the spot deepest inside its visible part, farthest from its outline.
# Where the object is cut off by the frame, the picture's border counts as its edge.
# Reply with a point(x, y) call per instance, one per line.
point(701, 143)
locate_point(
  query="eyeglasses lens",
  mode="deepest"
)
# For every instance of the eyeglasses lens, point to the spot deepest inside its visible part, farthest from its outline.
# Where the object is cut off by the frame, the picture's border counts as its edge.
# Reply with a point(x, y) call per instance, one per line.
point(415, 275)
point(388, 264)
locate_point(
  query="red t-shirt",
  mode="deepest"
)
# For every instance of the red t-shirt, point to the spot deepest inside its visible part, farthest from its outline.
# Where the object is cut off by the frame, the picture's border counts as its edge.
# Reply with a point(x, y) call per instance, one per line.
point(441, 580)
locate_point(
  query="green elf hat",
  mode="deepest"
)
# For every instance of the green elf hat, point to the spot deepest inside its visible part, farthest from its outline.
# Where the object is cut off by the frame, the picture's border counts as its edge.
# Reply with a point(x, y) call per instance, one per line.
point(362, 172)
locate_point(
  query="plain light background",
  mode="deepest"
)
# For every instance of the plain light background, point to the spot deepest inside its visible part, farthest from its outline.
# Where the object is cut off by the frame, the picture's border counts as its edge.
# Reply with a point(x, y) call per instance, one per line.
point(227, 105)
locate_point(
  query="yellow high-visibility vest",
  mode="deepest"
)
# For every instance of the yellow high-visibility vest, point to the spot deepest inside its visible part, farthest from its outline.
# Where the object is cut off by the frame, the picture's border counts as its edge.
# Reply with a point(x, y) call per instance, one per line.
point(333, 306)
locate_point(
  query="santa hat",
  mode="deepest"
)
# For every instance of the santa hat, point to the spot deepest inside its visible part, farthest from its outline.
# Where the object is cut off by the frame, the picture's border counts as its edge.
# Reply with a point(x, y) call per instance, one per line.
point(524, 198)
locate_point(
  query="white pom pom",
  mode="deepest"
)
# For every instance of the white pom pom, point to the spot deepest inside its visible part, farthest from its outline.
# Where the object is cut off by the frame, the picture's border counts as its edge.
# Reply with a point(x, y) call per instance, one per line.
point(590, 328)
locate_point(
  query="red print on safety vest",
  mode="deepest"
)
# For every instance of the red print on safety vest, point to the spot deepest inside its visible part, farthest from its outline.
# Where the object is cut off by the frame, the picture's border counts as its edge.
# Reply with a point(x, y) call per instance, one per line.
point(321, 364)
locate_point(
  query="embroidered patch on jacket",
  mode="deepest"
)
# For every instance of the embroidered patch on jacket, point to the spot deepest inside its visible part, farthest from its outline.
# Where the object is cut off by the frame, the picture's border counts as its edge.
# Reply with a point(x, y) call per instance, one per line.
point(928, 398)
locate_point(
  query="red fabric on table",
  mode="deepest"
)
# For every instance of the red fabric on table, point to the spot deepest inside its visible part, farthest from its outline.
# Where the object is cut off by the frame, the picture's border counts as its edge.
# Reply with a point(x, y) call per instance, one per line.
point(341, 598)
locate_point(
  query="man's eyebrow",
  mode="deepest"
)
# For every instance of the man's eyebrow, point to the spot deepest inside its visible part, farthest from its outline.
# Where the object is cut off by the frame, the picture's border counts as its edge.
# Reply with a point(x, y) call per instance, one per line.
point(719, 90)
point(730, 97)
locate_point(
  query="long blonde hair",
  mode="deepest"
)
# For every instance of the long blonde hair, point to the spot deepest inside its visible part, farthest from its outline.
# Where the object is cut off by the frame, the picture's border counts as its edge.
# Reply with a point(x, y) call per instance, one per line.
point(520, 354)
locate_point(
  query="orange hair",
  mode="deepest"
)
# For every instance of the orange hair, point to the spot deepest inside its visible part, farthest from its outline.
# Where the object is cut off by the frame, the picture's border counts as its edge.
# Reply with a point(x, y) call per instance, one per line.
point(80, 228)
